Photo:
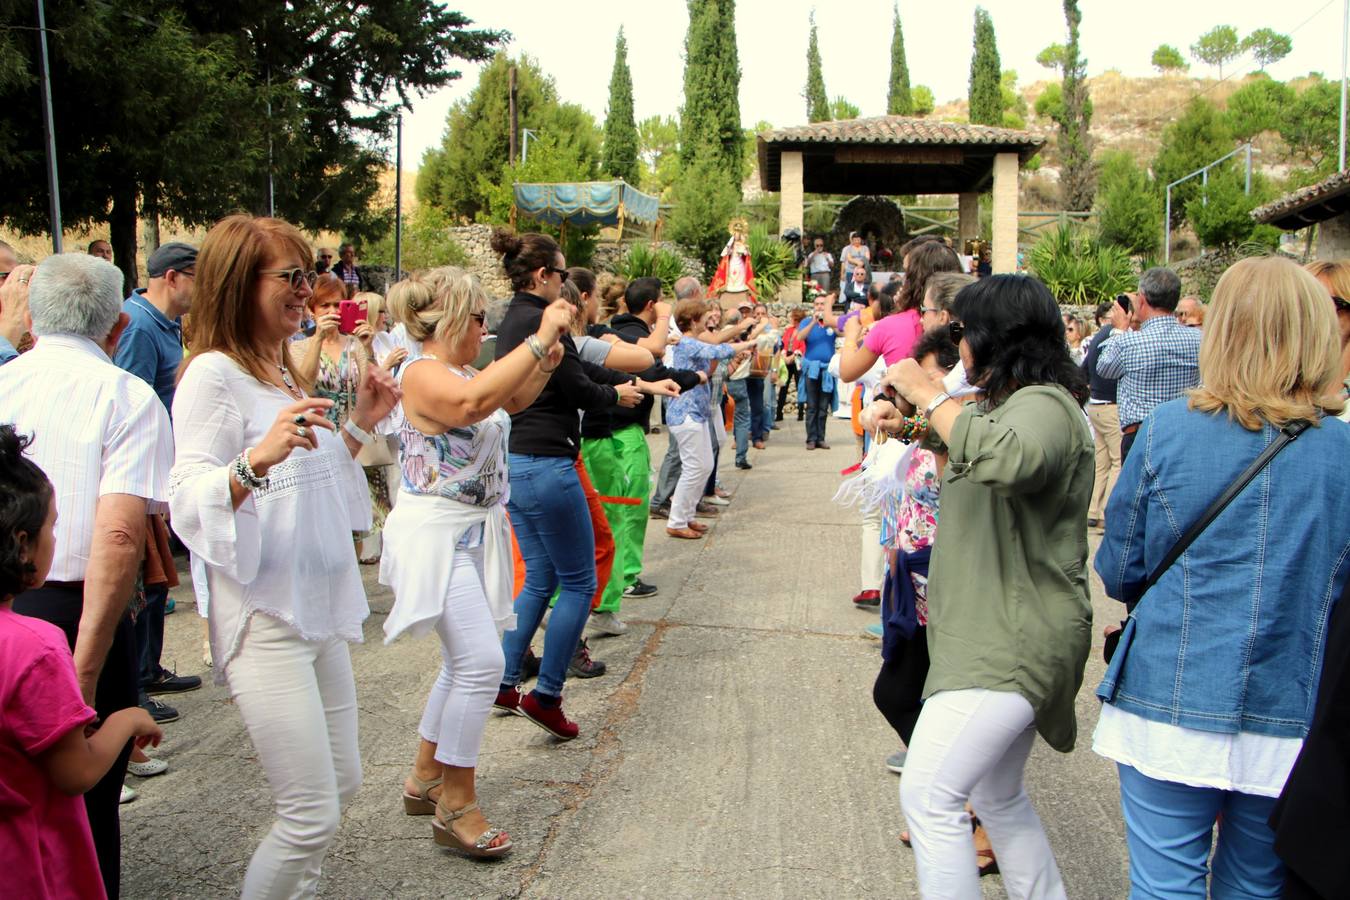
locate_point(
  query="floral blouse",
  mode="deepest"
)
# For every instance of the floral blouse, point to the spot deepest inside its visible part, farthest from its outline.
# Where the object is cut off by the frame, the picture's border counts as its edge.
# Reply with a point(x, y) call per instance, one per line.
point(916, 517)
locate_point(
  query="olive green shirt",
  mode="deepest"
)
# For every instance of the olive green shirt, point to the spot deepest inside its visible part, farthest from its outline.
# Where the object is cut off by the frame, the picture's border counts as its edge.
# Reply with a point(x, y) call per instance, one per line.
point(1008, 597)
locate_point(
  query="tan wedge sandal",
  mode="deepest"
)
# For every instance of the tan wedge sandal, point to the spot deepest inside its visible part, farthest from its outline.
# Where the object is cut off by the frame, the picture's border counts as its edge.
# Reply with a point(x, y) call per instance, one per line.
point(420, 804)
point(481, 847)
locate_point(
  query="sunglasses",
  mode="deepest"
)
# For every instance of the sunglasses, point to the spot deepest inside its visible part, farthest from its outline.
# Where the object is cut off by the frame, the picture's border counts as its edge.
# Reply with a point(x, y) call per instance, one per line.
point(930, 309)
point(297, 276)
point(561, 273)
point(956, 330)
point(480, 318)
point(1342, 304)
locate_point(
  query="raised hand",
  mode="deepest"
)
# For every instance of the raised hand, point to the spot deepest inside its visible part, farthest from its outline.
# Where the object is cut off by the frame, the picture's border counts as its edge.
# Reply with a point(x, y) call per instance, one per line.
point(326, 326)
point(375, 397)
point(294, 427)
point(556, 322)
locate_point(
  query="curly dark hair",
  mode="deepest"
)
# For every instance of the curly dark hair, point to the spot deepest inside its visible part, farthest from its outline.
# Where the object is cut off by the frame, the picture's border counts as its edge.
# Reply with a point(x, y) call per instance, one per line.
point(1016, 337)
point(523, 255)
point(25, 497)
point(939, 343)
point(922, 263)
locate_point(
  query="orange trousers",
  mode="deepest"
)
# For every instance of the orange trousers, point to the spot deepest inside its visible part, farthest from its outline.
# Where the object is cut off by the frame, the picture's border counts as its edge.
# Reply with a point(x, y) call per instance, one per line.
point(604, 541)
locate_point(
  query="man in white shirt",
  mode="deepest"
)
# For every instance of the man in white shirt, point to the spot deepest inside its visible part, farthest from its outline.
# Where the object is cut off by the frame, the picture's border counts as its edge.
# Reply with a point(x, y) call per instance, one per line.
point(103, 438)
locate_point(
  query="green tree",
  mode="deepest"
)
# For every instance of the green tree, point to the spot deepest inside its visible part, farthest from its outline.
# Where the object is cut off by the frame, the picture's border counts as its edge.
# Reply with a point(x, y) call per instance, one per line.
point(1052, 57)
point(659, 154)
point(1050, 102)
point(899, 97)
point(1011, 99)
point(924, 104)
point(1220, 213)
point(841, 109)
point(1128, 212)
point(1311, 126)
point(1259, 105)
point(478, 134)
point(1267, 46)
point(1075, 139)
point(704, 203)
point(986, 100)
point(1217, 46)
point(426, 243)
point(817, 102)
point(1167, 58)
point(1197, 138)
point(710, 120)
point(620, 157)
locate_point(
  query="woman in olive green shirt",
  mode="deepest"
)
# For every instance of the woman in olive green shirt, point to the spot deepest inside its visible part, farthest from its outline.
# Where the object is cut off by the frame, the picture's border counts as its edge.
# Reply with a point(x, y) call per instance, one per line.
point(1009, 609)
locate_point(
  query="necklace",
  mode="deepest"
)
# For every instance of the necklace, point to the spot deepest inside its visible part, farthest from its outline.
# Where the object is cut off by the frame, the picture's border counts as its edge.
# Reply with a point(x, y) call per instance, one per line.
point(286, 379)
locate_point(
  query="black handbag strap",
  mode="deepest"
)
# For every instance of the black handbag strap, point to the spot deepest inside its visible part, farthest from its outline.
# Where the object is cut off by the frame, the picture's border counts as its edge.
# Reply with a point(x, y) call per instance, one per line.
point(1288, 434)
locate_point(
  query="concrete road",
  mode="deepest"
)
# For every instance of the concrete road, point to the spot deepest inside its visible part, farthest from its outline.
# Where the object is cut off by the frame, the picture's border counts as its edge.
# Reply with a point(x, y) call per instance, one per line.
point(732, 750)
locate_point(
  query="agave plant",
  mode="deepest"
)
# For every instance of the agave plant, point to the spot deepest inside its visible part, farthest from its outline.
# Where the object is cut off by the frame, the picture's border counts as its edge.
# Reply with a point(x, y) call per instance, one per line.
point(774, 261)
point(1078, 269)
point(645, 261)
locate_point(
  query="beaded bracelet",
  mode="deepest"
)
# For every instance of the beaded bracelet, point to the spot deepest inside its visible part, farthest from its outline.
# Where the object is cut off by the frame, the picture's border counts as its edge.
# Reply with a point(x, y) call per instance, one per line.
point(244, 474)
point(912, 428)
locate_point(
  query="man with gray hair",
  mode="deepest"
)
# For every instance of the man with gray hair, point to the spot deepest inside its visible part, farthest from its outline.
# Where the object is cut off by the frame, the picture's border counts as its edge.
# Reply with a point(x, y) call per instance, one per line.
point(103, 438)
point(1155, 357)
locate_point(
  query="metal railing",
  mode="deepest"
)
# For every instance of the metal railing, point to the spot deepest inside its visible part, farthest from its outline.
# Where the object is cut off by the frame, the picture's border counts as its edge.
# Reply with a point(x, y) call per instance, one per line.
point(1204, 181)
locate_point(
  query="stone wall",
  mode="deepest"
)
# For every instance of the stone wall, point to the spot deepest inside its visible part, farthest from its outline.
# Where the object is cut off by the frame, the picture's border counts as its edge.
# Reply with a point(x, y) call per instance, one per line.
point(477, 243)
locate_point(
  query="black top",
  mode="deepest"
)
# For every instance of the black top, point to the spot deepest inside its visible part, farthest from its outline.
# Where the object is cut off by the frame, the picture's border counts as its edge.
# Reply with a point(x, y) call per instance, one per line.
point(1103, 389)
point(551, 426)
point(604, 422)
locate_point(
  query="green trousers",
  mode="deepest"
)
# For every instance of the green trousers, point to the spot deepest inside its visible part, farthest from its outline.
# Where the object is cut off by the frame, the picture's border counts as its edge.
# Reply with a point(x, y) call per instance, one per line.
point(620, 469)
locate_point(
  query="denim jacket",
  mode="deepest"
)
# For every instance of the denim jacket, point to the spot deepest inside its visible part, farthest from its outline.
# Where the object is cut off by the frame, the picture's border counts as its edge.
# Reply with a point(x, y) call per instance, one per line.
point(1232, 637)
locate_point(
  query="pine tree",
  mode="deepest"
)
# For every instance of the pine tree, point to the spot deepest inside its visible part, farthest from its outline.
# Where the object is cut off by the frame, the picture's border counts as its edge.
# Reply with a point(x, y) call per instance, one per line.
point(817, 101)
point(710, 127)
point(1075, 141)
point(986, 74)
point(899, 99)
point(620, 157)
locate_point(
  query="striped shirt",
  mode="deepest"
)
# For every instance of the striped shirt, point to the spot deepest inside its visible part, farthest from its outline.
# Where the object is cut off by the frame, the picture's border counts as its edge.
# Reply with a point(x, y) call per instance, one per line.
point(1157, 363)
point(96, 430)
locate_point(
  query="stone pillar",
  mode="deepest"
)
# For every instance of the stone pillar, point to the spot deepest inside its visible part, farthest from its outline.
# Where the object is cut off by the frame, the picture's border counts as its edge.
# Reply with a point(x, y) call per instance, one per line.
point(1333, 238)
point(968, 220)
point(791, 197)
point(1005, 213)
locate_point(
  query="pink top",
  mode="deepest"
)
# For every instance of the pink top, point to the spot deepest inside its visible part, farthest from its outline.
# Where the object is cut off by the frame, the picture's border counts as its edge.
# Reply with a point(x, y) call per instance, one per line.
point(46, 849)
point(894, 337)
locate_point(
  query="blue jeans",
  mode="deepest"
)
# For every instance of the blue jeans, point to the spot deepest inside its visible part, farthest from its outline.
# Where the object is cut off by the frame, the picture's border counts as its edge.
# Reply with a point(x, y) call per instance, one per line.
point(1169, 828)
point(150, 634)
point(736, 387)
point(759, 425)
point(553, 528)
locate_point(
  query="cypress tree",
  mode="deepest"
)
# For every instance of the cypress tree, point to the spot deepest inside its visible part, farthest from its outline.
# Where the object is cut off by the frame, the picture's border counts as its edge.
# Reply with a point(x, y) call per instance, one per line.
point(817, 101)
point(899, 100)
point(986, 73)
point(1075, 143)
point(710, 127)
point(730, 133)
point(620, 157)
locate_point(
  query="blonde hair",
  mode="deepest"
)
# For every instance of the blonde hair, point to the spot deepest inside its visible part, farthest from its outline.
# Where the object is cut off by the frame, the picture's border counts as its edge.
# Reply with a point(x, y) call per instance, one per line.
point(1271, 350)
point(572, 294)
point(374, 305)
point(436, 304)
point(611, 288)
point(1335, 273)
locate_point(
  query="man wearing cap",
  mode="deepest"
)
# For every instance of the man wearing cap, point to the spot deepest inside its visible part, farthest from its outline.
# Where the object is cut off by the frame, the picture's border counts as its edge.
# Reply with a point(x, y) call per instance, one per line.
point(151, 348)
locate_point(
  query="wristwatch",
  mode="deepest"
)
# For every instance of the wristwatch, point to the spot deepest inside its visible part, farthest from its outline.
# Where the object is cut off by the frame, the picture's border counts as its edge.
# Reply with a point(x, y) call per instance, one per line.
point(935, 403)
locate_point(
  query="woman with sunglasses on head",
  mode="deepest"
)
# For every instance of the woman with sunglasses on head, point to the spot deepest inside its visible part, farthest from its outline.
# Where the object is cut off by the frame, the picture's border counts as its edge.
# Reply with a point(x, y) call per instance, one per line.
point(265, 491)
point(1334, 275)
point(1009, 612)
point(549, 514)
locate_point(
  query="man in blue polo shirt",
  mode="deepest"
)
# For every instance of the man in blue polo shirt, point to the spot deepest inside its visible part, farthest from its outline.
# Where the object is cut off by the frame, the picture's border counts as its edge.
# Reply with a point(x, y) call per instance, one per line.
point(151, 348)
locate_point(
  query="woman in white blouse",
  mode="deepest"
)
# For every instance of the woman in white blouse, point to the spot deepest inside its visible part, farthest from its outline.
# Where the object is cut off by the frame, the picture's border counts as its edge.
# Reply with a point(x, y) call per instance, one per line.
point(447, 545)
point(265, 492)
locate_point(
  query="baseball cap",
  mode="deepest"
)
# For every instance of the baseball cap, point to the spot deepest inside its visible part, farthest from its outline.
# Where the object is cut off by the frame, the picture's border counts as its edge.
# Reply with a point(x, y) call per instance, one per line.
point(174, 255)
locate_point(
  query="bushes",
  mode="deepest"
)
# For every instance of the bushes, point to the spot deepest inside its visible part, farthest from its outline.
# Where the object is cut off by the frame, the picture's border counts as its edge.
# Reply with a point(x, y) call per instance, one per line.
point(645, 261)
point(1079, 269)
point(1128, 212)
point(774, 262)
point(426, 243)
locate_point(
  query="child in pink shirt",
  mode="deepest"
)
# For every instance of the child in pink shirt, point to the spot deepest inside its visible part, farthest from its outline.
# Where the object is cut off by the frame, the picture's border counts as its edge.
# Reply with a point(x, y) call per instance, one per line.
point(46, 761)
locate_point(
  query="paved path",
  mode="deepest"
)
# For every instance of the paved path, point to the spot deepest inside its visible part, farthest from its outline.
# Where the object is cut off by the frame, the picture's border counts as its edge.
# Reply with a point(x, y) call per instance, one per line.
point(731, 751)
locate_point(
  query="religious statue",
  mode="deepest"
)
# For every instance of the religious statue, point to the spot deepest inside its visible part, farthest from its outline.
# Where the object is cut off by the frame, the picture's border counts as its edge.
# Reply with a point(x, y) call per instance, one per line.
point(735, 276)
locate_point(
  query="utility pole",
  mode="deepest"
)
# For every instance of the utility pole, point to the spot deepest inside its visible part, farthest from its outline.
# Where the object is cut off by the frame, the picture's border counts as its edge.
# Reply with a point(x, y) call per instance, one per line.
point(48, 128)
point(398, 197)
point(1345, 36)
point(515, 121)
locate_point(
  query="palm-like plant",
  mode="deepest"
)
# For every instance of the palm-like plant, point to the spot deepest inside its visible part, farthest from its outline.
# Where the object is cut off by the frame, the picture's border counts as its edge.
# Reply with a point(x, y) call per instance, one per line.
point(645, 261)
point(1080, 270)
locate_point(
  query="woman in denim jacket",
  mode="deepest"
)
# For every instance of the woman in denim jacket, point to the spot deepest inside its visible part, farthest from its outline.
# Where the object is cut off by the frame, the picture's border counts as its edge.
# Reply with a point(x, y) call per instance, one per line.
point(1211, 691)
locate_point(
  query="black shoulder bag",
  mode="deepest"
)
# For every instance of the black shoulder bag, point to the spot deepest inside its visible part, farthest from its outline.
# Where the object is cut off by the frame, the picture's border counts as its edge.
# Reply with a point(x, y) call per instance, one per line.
point(1288, 434)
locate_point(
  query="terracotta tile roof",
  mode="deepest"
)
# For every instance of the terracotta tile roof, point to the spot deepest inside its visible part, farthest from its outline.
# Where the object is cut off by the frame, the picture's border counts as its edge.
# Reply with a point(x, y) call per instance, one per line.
point(1307, 205)
point(901, 130)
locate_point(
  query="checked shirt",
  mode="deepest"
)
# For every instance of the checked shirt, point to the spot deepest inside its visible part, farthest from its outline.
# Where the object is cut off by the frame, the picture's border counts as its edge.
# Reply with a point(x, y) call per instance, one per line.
point(1157, 363)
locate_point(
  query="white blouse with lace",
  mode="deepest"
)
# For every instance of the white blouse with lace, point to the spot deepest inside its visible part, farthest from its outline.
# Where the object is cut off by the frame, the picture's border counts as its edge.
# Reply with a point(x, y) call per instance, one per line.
point(287, 550)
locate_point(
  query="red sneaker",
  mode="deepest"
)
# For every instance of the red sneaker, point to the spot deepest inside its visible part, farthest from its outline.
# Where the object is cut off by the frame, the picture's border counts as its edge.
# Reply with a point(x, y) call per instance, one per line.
point(508, 701)
point(551, 719)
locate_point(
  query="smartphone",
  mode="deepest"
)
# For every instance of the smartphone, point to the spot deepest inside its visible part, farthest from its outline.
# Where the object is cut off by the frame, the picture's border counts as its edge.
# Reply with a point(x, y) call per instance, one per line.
point(349, 314)
point(1124, 301)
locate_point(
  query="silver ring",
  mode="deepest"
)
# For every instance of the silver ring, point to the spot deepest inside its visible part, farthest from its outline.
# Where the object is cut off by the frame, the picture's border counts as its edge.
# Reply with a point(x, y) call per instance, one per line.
point(23, 281)
point(299, 419)
point(302, 431)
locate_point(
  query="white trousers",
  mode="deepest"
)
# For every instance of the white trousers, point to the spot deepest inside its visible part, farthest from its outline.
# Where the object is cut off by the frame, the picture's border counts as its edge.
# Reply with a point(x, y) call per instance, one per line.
point(972, 745)
point(873, 569)
point(472, 664)
point(695, 446)
point(298, 700)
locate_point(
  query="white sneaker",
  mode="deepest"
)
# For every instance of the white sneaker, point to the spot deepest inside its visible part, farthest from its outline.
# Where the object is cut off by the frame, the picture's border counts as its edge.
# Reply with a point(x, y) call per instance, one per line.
point(128, 794)
point(607, 623)
point(148, 769)
point(716, 500)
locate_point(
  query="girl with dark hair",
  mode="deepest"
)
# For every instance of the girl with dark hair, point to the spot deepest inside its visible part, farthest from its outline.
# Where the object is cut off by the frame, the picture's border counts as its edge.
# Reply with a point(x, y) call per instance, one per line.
point(46, 759)
point(1009, 608)
point(549, 514)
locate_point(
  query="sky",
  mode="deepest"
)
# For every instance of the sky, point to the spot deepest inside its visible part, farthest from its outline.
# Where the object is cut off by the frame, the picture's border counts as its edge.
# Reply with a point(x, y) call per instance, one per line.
point(574, 43)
